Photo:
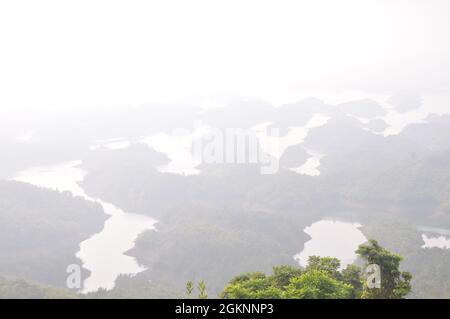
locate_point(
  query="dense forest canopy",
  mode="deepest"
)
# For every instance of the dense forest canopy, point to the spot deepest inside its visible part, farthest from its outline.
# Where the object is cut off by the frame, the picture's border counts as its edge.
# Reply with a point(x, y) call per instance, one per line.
point(322, 278)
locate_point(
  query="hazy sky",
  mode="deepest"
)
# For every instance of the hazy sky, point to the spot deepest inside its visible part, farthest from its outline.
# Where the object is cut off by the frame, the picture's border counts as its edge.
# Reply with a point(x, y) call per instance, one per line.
point(86, 53)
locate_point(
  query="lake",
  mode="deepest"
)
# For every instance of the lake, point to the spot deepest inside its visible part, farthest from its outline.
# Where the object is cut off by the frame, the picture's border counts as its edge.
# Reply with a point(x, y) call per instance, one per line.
point(330, 238)
point(103, 254)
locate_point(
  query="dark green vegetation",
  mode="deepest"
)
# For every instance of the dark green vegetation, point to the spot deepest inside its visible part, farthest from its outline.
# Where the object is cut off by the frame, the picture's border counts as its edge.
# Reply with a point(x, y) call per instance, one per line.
point(287, 282)
point(322, 279)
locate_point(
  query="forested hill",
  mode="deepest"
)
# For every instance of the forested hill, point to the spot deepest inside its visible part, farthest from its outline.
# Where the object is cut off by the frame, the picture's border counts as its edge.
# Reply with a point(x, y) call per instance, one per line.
point(40, 231)
point(24, 289)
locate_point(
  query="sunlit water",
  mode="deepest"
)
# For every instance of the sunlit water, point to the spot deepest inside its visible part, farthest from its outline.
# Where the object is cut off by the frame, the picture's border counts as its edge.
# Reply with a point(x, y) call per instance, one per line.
point(26, 136)
point(277, 145)
point(332, 239)
point(396, 121)
point(178, 146)
point(441, 242)
point(439, 239)
point(111, 144)
point(103, 254)
point(312, 164)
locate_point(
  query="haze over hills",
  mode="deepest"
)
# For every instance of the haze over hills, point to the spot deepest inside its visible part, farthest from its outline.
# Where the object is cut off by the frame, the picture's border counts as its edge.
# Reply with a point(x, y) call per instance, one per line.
point(147, 146)
point(41, 230)
point(215, 220)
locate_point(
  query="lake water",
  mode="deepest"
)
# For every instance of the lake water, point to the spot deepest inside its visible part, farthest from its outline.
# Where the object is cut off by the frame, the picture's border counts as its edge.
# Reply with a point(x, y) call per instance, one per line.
point(439, 239)
point(103, 254)
point(277, 145)
point(441, 242)
point(331, 238)
point(111, 144)
point(178, 146)
point(312, 164)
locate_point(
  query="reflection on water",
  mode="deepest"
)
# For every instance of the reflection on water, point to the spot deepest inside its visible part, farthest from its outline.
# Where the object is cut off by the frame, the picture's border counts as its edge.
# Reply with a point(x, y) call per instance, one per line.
point(332, 239)
point(104, 253)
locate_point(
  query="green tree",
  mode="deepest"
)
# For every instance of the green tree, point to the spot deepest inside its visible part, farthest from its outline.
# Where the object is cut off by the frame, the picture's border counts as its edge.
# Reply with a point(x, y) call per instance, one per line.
point(317, 284)
point(287, 282)
point(352, 275)
point(327, 264)
point(252, 286)
point(282, 275)
point(394, 283)
point(323, 279)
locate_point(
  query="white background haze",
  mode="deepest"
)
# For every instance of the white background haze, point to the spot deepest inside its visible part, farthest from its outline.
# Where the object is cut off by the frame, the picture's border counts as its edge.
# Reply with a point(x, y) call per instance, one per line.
point(91, 53)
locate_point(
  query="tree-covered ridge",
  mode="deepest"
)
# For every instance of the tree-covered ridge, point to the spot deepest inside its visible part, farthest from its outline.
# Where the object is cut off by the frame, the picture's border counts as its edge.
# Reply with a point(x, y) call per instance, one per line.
point(40, 231)
point(323, 279)
point(429, 267)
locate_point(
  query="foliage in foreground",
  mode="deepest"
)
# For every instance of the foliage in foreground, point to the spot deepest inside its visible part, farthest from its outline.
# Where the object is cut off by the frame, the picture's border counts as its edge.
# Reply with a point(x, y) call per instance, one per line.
point(323, 279)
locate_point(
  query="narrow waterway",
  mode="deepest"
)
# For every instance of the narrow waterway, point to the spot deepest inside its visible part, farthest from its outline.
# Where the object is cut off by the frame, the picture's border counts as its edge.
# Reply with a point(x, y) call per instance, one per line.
point(103, 254)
